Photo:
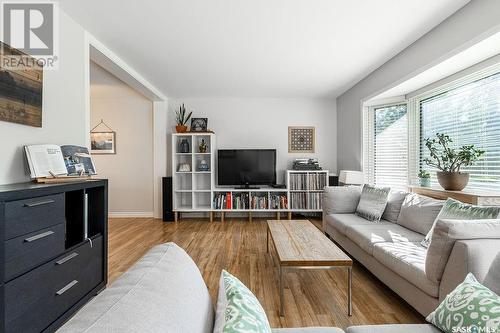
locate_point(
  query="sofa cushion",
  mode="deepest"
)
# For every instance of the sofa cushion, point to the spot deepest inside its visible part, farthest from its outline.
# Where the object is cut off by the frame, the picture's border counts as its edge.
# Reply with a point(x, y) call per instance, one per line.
point(341, 199)
point(471, 306)
point(163, 292)
point(365, 236)
point(403, 328)
point(394, 202)
point(419, 212)
point(446, 233)
point(372, 202)
point(456, 210)
point(407, 259)
point(238, 310)
point(341, 221)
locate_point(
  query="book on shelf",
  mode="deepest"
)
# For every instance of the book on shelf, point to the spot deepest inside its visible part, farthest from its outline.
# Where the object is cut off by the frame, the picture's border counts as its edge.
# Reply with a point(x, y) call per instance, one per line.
point(278, 201)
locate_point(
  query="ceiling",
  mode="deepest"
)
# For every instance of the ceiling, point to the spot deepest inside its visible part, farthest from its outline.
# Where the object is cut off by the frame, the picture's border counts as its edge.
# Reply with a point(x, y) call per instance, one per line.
point(257, 48)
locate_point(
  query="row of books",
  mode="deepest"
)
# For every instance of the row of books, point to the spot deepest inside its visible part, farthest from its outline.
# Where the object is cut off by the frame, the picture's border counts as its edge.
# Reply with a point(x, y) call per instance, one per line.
point(240, 200)
point(317, 181)
point(279, 201)
point(222, 200)
point(259, 202)
point(314, 200)
point(312, 182)
point(243, 201)
point(306, 200)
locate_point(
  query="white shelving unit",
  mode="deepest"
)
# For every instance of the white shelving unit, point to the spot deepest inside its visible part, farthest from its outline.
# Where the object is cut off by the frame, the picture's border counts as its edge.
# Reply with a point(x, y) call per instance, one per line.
point(192, 190)
point(196, 190)
point(305, 189)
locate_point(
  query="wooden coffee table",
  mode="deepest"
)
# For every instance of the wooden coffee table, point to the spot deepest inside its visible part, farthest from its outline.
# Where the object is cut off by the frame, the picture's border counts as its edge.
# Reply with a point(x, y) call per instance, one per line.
point(300, 245)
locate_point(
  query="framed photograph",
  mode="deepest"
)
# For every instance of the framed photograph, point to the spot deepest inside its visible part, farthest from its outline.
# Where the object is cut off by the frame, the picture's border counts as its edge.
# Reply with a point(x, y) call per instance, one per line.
point(301, 139)
point(103, 142)
point(199, 124)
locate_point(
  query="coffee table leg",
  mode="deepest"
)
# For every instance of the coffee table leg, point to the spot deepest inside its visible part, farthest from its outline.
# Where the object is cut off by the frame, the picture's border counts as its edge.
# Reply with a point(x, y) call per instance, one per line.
point(281, 291)
point(349, 292)
point(267, 240)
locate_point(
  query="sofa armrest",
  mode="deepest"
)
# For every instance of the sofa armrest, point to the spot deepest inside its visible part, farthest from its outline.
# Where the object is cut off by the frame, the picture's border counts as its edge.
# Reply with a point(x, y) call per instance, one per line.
point(475, 256)
point(340, 200)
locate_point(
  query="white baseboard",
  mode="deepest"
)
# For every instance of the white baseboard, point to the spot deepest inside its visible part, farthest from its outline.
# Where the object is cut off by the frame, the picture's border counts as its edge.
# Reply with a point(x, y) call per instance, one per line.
point(130, 214)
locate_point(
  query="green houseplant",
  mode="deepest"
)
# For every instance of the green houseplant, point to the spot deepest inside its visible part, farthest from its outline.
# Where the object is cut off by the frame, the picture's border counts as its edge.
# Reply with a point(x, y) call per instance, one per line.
point(425, 178)
point(181, 119)
point(449, 161)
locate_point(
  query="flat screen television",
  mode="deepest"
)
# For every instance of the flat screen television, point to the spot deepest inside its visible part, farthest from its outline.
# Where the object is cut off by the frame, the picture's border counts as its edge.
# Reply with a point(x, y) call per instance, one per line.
point(246, 167)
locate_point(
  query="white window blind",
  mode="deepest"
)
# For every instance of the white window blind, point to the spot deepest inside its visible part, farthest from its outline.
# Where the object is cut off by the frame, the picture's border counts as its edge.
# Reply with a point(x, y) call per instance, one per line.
point(469, 114)
point(386, 146)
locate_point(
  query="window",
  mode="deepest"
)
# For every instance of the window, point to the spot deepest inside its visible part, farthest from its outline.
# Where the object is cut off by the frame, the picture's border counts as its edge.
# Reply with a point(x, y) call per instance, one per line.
point(386, 144)
point(470, 114)
point(467, 109)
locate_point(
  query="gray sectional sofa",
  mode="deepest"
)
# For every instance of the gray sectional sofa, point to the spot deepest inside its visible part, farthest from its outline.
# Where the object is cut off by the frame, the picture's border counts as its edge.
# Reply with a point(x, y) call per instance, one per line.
point(391, 248)
point(165, 292)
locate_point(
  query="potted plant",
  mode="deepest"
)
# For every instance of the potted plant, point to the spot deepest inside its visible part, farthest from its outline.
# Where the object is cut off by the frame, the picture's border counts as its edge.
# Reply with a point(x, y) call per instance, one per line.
point(425, 178)
point(449, 161)
point(181, 118)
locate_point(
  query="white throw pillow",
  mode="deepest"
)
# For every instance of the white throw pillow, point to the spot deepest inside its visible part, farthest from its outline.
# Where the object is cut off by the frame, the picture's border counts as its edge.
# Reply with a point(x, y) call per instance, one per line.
point(341, 199)
point(418, 213)
point(238, 310)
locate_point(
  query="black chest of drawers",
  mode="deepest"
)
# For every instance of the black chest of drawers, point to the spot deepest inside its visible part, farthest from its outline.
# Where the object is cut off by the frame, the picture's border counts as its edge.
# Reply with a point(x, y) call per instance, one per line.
point(54, 253)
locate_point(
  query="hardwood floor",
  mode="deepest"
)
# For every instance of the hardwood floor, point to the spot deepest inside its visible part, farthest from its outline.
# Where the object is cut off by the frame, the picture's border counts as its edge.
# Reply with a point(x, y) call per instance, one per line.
point(312, 298)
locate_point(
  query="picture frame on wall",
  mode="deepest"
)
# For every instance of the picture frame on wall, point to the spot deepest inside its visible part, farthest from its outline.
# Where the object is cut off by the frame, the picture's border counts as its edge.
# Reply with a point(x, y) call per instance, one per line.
point(103, 142)
point(301, 139)
point(199, 124)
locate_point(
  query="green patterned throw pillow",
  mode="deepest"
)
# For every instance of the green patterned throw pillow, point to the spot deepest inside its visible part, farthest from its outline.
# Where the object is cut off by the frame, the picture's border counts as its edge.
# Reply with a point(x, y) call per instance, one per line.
point(372, 203)
point(471, 307)
point(238, 310)
point(456, 210)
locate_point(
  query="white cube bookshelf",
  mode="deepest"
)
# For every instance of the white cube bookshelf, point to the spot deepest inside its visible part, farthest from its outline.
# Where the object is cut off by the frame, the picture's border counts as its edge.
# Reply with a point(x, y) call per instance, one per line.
point(192, 190)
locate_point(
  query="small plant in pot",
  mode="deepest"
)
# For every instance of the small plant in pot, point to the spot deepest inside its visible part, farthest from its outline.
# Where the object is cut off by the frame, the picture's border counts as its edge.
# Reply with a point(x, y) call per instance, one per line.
point(181, 119)
point(425, 178)
point(449, 161)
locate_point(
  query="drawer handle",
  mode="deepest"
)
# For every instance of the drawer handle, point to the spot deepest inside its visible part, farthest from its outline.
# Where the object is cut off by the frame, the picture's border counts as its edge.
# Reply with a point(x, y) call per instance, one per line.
point(39, 236)
point(66, 288)
point(39, 203)
point(67, 258)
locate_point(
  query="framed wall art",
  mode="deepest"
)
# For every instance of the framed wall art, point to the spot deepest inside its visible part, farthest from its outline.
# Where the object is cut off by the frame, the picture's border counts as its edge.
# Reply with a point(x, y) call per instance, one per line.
point(301, 139)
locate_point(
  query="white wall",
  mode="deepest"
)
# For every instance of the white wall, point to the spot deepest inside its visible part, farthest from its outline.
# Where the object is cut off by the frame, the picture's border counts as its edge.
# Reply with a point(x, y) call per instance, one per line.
point(263, 123)
point(130, 170)
point(474, 22)
point(64, 101)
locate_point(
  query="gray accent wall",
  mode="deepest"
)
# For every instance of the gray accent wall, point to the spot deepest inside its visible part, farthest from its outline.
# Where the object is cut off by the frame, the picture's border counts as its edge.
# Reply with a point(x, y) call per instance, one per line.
point(474, 22)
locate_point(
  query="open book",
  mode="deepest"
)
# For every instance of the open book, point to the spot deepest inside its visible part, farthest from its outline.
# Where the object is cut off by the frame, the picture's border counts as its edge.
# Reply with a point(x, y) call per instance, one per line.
point(54, 160)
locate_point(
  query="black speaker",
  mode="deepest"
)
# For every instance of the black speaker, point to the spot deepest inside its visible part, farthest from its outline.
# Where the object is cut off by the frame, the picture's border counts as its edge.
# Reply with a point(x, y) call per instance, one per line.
point(333, 180)
point(168, 205)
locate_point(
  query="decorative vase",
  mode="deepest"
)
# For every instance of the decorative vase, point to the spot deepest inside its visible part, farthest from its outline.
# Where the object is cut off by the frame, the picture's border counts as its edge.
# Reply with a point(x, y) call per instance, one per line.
point(181, 128)
point(184, 146)
point(453, 181)
point(203, 166)
point(425, 182)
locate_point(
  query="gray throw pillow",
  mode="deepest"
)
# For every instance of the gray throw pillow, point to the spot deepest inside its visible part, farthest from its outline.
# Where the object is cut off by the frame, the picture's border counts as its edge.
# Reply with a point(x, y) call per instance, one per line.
point(341, 199)
point(394, 202)
point(372, 202)
point(456, 210)
point(419, 212)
